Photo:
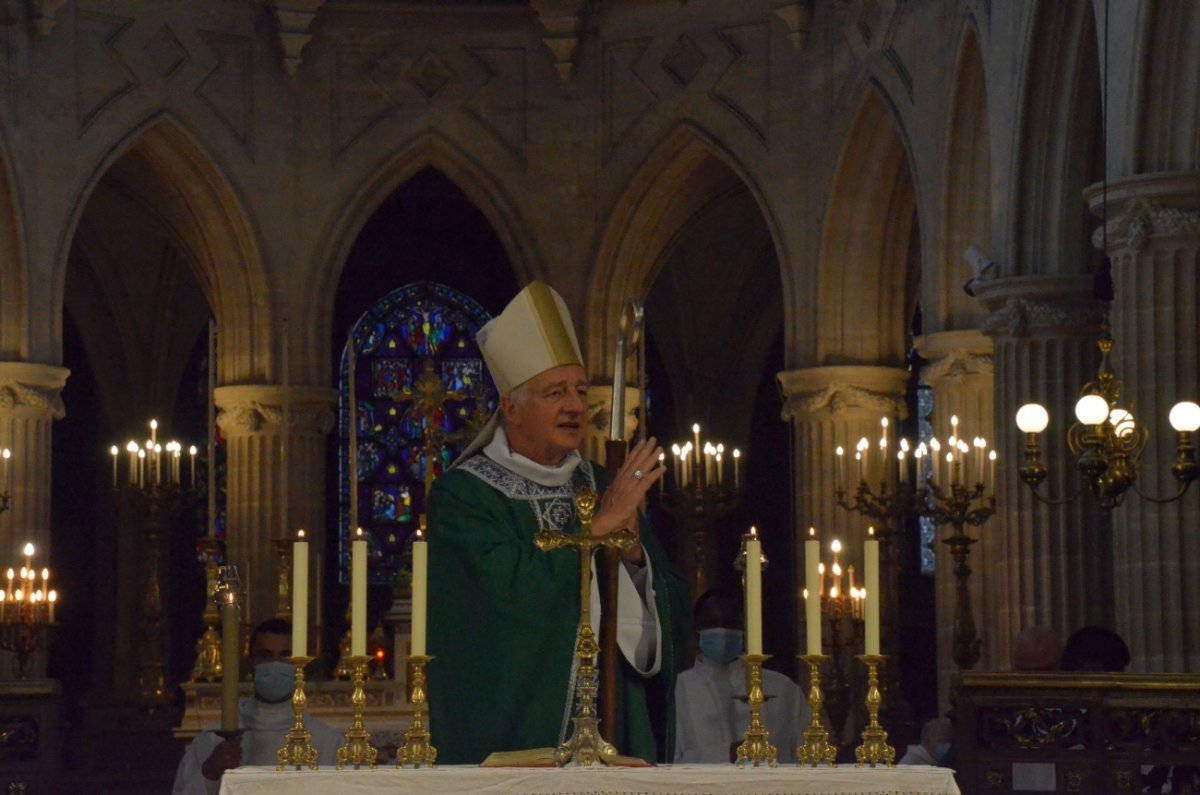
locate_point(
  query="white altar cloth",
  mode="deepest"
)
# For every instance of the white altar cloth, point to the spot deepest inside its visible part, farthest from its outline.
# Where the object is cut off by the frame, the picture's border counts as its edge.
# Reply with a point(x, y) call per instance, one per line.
point(665, 779)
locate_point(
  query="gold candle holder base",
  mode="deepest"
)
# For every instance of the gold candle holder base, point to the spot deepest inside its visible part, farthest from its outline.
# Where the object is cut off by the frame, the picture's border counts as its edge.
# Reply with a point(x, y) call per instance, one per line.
point(297, 751)
point(417, 750)
point(756, 745)
point(816, 748)
point(874, 749)
point(358, 750)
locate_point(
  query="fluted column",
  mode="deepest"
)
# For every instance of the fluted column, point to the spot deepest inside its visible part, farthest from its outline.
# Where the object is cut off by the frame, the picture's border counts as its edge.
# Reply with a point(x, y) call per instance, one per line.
point(827, 407)
point(250, 418)
point(30, 401)
point(959, 371)
point(1154, 242)
point(1045, 564)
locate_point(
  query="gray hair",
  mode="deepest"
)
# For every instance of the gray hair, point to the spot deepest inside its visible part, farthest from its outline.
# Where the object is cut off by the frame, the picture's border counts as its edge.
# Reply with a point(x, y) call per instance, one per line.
point(517, 395)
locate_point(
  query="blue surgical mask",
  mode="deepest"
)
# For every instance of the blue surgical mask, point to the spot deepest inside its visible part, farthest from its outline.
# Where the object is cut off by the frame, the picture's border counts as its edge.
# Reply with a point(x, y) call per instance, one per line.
point(940, 751)
point(274, 681)
point(720, 645)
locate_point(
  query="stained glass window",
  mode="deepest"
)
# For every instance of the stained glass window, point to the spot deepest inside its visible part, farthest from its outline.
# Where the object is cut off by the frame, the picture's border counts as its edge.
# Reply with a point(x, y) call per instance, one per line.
point(420, 394)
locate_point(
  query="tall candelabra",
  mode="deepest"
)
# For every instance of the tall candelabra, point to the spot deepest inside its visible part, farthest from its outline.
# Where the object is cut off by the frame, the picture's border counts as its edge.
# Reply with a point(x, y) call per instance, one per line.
point(26, 609)
point(701, 494)
point(842, 609)
point(154, 491)
point(951, 489)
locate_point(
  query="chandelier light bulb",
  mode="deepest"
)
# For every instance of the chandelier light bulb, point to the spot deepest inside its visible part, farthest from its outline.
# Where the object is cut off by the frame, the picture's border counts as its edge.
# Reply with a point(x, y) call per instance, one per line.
point(1185, 416)
point(1122, 422)
point(1091, 409)
point(1032, 418)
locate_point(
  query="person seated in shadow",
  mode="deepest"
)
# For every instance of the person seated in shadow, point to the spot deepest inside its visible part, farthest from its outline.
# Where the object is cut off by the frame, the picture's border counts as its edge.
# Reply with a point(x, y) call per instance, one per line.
point(1095, 649)
point(1036, 648)
point(936, 736)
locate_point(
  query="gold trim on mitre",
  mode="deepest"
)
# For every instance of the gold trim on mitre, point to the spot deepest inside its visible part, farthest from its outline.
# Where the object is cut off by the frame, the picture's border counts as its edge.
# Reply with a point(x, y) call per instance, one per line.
point(533, 334)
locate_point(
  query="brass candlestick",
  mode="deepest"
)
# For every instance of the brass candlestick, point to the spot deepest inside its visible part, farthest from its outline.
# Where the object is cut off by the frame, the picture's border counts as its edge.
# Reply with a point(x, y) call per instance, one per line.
point(297, 751)
point(874, 749)
point(585, 746)
point(358, 750)
point(417, 750)
point(756, 743)
point(208, 647)
point(816, 748)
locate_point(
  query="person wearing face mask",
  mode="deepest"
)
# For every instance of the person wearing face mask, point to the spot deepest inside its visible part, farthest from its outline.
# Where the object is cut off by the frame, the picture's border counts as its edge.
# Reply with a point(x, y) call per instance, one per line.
point(935, 744)
point(264, 720)
point(711, 707)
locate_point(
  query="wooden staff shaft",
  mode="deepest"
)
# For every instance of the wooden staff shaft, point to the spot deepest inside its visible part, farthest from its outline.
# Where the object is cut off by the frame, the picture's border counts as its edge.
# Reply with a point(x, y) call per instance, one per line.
point(614, 457)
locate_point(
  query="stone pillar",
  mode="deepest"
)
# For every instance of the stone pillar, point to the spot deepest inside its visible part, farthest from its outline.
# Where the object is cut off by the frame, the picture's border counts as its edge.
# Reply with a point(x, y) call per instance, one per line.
point(1044, 564)
point(1154, 242)
point(250, 418)
point(827, 407)
point(30, 401)
point(959, 371)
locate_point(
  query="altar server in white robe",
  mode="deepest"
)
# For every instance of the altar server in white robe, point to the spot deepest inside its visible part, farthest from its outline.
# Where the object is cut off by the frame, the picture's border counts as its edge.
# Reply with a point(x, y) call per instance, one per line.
point(711, 707)
point(264, 719)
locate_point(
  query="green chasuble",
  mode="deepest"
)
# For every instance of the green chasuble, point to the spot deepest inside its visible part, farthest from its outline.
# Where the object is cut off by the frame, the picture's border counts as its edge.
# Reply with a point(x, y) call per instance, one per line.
point(503, 617)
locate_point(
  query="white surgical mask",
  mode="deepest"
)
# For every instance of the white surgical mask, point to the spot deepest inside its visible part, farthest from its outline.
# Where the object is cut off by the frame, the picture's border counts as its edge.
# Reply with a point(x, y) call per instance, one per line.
point(274, 681)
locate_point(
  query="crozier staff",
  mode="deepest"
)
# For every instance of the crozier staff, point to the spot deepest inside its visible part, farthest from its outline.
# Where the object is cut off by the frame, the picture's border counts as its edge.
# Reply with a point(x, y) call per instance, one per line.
point(503, 615)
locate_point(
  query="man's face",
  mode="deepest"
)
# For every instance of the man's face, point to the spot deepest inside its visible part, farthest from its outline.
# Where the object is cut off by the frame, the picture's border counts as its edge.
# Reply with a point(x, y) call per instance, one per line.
point(549, 422)
point(270, 647)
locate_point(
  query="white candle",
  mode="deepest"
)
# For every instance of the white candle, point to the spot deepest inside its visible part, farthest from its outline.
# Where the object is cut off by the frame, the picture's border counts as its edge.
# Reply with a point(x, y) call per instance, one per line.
point(300, 595)
point(192, 452)
point(420, 581)
point(812, 579)
point(840, 452)
point(696, 432)
point(230, 620)
point(153, 432)
point(753, 593)
point(211, 450)
point(737, 468)
point(992, 469)
point(115, 452)
point(871, 560)
point(52, 598)
point(358, 595)
point(675, 465)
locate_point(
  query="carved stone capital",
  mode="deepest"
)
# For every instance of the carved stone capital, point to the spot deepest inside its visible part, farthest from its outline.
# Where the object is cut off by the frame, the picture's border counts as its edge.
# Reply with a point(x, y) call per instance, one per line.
point(33, 388)
point(258, 408)
point(1144, 207)
point(955, 356)
point(871, 391)
point(1143, 220)
point(1023, 306)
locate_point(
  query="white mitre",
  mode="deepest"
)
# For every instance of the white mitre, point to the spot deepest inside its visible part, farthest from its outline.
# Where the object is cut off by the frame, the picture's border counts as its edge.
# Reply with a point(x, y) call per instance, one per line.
point(533, 334)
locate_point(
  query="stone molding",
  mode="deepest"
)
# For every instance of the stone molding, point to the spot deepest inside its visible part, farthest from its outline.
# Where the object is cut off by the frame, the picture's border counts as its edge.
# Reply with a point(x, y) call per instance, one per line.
point(33, 387)
point(248, 409)
point(842, 389)
point(797, 16)
point(294, 18)
point(563, 21)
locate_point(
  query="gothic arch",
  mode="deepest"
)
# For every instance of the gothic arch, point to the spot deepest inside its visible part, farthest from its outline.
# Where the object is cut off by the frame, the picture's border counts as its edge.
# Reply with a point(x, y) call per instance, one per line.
point(200, 205)
point(14, 300)
point(865, 293)
point(1058, 144)
point(676, 181)
point(428, 150)
point(967, 192)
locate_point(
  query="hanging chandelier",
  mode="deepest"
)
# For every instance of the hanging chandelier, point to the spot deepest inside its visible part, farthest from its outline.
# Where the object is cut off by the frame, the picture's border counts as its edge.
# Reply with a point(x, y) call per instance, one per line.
point(1107, 440)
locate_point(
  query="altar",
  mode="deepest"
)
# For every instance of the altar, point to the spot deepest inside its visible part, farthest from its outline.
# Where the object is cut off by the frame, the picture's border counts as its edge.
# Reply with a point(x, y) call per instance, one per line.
point(665, 779)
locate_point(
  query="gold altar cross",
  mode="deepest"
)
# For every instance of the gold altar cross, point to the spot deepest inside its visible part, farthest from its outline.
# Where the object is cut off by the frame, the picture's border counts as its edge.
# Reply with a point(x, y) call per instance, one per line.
point(585, 746)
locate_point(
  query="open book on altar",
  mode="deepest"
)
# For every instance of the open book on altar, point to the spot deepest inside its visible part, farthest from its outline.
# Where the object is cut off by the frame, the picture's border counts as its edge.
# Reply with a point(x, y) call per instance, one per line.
point(544, 757)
